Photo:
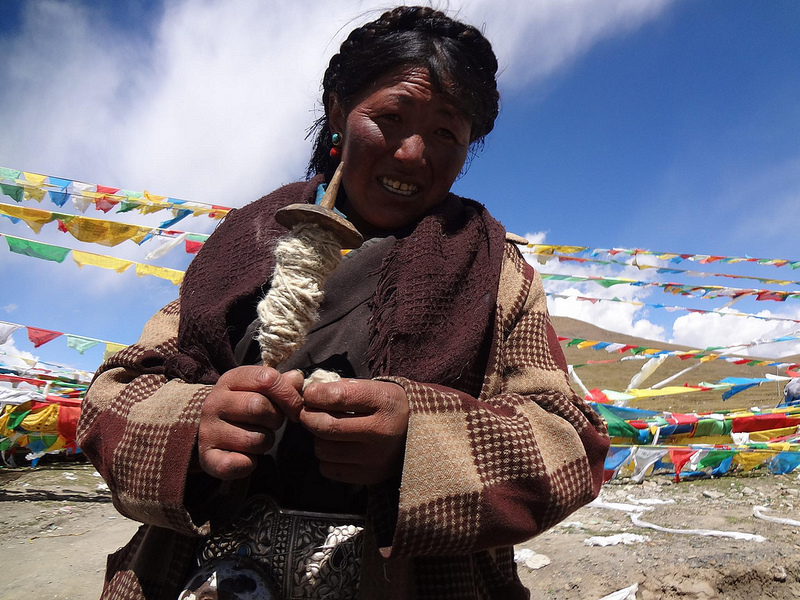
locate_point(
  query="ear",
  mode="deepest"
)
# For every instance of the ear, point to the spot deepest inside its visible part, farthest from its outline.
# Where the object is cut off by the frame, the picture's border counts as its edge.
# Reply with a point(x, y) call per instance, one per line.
point(337, 119)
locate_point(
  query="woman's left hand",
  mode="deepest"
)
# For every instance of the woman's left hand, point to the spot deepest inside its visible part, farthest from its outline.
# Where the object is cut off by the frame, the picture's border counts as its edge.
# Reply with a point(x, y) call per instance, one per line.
point(360, 428)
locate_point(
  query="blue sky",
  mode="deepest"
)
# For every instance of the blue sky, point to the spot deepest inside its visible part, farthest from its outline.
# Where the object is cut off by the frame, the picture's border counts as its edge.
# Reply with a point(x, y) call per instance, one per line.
point(658, 124)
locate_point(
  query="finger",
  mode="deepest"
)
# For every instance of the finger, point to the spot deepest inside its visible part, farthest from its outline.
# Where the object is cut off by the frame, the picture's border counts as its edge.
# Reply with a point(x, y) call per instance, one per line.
point(295, 378)
point(227, 465)
point(249, 409)
point(268, 382)
point(359, 396)
point(231, 438)
point(337, 426)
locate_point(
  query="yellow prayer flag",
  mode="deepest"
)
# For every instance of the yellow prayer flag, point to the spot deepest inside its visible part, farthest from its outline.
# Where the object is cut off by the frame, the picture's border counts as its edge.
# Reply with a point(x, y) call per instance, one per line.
point(34, 217)
point(172, 275)
point(107, 233)
point(153, 197)
point(146, 208)
point(766, 435)
point(111, 349)
point(750, 460)
point(665, 391)
point(34, 194)
point(587, 344)
point(34, 178)
point(44, 420)
point(99, 260)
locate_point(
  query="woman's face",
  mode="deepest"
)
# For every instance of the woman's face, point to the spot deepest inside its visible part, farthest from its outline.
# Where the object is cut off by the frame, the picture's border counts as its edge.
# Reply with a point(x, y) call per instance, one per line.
point(403, 146)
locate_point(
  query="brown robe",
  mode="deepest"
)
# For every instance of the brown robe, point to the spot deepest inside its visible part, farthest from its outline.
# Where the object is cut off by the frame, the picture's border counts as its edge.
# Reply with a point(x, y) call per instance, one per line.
point(499, 447)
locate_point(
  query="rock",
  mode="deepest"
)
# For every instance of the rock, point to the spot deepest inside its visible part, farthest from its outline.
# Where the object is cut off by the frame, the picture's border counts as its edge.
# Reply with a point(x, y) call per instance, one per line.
point(778, 573)
point(702, 589)
point(714, 495)
point(748, 491)
point(537, 561)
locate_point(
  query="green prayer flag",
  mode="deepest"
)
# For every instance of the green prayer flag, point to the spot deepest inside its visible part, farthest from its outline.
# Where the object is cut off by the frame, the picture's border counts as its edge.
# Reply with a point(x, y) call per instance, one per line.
point(714, 457)
point(16, 417)
point(7, 173)
point(126, 206)
point(79, 343)
point(16, 193)
point(37, 249)
point(617, 427)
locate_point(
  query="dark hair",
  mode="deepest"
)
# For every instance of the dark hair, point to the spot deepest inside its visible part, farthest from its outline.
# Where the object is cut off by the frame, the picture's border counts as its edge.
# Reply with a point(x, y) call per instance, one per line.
point(457, 56)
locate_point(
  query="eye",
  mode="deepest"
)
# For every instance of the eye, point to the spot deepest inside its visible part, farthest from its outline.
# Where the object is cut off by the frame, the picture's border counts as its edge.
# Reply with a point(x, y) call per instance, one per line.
point(446, 133)
point(390, 117)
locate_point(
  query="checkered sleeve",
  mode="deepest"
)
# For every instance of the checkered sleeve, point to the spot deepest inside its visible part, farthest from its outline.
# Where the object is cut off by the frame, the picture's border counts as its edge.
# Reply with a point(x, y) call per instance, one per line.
point(501, 468)
point(139, 429)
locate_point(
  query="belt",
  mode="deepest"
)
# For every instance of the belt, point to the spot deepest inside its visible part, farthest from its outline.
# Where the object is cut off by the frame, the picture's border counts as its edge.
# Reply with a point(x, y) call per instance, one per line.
point(270, 553)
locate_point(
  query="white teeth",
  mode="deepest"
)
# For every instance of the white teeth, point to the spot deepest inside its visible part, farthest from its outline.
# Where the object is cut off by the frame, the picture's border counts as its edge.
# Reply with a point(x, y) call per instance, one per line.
point(406, 189)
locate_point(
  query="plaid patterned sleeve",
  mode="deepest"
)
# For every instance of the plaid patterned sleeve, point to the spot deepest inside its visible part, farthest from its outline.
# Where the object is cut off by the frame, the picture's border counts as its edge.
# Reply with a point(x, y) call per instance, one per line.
point(501, 468)
point(139, 429)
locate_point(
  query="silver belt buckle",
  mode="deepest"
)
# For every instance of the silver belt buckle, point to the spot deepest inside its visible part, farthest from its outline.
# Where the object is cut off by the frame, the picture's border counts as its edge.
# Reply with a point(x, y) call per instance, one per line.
point(271, 553)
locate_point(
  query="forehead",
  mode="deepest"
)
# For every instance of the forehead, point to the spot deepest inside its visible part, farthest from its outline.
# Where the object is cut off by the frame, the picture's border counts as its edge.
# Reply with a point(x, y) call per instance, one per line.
point(408, 85)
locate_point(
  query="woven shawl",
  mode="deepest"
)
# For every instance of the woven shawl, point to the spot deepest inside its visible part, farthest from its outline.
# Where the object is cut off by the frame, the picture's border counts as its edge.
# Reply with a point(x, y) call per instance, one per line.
point(435, 297)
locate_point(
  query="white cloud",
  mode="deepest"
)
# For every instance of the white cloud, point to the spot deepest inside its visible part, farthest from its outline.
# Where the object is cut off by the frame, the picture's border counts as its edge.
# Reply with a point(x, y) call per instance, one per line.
point(10, 308)
point(11, 356)
point(536, 237)
point(703, 330)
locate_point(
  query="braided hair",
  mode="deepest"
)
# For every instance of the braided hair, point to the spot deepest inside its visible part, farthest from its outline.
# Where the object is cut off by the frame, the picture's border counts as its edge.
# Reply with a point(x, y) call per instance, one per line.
point(458, 58)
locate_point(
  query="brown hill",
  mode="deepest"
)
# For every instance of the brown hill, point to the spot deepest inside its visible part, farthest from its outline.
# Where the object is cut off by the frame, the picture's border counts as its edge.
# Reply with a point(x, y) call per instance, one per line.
point(617, 374)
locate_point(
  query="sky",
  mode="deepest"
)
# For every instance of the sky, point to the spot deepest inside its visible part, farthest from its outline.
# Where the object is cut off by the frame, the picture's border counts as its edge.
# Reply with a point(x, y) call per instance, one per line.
point(665, 125)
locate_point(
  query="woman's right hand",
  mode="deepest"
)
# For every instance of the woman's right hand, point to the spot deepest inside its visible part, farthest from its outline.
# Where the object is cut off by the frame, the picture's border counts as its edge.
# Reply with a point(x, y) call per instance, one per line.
point(240, 415)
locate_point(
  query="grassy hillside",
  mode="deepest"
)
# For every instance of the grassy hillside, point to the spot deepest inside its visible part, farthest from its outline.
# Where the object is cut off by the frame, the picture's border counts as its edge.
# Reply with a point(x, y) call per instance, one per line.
point(617, 375)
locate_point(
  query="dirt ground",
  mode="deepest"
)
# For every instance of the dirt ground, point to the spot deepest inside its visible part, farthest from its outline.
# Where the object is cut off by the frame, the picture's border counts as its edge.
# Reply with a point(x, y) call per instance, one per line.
point(58, 527)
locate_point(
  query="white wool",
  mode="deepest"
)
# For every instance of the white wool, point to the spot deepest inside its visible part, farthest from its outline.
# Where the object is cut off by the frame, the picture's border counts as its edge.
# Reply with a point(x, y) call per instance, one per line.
point(303, 260)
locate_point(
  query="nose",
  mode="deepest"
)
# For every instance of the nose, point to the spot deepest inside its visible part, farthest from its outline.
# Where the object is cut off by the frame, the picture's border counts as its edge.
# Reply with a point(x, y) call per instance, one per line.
point(411, 150)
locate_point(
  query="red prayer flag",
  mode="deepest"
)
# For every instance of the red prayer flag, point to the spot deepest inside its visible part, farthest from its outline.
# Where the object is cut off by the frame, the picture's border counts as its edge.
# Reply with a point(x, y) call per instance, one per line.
point(679, 459)
point(106, 190)
point(41, 336)
point(61, 227)
point(192, 247)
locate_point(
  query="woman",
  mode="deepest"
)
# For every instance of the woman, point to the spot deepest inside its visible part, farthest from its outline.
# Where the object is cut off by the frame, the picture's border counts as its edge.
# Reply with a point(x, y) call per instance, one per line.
point(453, 430)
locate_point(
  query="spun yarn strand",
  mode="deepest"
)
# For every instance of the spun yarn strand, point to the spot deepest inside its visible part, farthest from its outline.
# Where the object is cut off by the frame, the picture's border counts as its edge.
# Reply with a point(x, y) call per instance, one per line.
point(303, 260)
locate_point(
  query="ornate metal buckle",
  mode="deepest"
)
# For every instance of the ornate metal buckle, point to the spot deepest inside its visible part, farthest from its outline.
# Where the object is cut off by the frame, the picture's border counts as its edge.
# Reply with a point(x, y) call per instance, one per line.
point(300, 555)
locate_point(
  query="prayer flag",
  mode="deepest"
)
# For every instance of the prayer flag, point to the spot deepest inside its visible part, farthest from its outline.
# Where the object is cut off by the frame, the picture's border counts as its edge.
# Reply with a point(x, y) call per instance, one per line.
point(98, 260)
point(81, 344)
point(14, 192)
point(6, 329)
point(36, 249)
point(172, 275)
point(41, 336)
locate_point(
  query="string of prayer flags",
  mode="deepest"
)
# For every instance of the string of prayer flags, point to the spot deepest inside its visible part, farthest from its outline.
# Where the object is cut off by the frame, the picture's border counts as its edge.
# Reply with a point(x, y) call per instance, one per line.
point(595, 300)
point(544, 258)
point(697, 291)
point(57, 253)
point(673, 257)
point(39, 337)
point(21, 185)
point(92, 230)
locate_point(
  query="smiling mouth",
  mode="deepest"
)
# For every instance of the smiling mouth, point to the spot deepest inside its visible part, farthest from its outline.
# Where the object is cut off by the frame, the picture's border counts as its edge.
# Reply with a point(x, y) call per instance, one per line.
point(399, 187)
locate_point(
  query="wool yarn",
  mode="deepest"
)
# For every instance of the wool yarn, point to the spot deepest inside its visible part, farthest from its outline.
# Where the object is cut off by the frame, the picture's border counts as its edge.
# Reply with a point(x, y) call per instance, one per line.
point(303, 260)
